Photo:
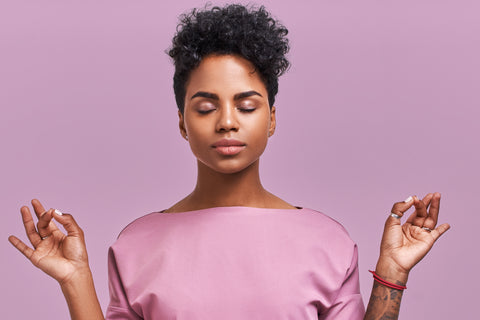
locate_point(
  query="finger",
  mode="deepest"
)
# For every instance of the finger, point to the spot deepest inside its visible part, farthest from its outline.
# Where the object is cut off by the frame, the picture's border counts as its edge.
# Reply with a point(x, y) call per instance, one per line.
point(426, 202)
point(37, 206)
point(39, 211)
point(43, 224)
point(399, 208)
point(438, 231)
point(432, 218)
point(29, 225)
point(428, 222)
point(427, 199)
point(420, 213)
point(69, 223)
point(22, 247)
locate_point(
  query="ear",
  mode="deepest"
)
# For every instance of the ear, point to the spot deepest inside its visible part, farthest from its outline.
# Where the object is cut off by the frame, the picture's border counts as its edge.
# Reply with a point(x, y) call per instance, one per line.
point(273, 122)
point(181, 125)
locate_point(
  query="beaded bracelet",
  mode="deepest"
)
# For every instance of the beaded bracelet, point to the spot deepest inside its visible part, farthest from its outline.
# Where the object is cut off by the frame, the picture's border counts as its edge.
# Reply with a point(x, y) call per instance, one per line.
point(386, 283)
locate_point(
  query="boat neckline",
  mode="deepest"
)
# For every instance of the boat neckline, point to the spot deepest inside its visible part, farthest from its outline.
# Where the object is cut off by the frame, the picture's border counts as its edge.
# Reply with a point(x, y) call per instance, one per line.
point(297, 208)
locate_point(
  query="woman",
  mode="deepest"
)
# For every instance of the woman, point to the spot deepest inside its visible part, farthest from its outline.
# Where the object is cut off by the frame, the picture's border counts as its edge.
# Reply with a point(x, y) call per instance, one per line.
point(231, 249)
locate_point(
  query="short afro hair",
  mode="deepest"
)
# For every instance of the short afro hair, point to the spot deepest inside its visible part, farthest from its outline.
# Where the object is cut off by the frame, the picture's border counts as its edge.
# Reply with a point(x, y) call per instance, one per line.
point(249, 32)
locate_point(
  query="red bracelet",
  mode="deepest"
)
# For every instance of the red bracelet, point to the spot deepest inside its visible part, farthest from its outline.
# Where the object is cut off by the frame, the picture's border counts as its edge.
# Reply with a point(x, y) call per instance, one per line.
point(386, 283)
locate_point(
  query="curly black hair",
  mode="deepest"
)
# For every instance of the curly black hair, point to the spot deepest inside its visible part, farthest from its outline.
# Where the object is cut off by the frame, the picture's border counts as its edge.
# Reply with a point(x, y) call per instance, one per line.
point(249, 32)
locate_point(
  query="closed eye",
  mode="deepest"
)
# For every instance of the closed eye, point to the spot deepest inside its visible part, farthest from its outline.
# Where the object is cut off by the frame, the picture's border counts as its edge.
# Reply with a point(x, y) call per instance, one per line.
point(247, 110)
point(205, 111)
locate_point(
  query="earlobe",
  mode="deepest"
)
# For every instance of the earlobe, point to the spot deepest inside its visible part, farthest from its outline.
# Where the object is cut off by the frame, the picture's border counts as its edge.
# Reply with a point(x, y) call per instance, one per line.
point(181, 125)
point(273, 122)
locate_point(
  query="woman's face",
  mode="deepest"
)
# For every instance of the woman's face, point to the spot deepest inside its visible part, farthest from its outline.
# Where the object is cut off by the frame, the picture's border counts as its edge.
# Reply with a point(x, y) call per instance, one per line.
point(225, 99)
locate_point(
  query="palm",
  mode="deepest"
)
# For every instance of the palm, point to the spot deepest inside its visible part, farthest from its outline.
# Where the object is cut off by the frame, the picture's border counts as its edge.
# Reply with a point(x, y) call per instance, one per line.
point(59, 255)
point(405, 245)
point(409, 245)
point(55, 253)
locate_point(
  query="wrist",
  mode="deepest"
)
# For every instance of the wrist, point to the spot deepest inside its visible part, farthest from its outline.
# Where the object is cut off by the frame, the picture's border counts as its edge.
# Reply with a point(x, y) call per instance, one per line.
point(391, 272)
point(79, 278)
point(81, 297)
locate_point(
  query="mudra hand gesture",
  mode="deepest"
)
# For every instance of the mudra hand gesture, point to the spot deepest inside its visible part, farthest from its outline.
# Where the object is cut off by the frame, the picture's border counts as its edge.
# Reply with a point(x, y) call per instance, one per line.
point(403, 246)
point(58, 255)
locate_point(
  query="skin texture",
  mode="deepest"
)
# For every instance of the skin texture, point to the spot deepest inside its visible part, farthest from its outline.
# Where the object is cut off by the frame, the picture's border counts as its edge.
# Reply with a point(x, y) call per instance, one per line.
point(384, 303)
point(235, 179)
point(236, 182)
point(63, 257)
point(248, 119)
point(402, 247)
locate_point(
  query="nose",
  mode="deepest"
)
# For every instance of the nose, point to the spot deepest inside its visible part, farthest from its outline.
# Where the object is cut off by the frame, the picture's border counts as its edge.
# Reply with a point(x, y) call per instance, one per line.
point(227, 119)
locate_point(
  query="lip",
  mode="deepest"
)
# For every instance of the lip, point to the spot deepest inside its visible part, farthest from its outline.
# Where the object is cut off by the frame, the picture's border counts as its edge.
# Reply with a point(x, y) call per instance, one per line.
point(228, 143)
point(228, 147)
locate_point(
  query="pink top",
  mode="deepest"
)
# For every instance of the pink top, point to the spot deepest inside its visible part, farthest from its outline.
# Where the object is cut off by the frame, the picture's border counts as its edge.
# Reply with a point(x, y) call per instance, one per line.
point(234, 263)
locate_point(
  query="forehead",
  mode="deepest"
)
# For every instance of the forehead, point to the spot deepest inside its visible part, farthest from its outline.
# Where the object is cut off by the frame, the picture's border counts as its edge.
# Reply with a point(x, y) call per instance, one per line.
point(224, 74)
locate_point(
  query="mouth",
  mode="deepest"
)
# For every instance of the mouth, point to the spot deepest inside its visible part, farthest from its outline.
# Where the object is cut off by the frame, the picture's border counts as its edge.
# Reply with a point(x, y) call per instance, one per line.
point(229, 146)
point(229, 150)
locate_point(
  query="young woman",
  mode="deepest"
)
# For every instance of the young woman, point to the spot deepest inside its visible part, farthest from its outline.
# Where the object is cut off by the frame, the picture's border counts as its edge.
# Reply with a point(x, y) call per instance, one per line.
point(231, 249)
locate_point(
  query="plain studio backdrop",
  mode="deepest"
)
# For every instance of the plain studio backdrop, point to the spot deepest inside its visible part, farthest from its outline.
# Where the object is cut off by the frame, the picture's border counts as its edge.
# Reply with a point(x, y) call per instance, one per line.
point(381, 102)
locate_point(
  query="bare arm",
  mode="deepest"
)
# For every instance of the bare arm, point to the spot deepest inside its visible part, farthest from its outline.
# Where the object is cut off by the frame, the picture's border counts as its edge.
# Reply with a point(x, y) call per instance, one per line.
point(402, 247)
point(384, 301)
point(63, 257)
point(82, 299)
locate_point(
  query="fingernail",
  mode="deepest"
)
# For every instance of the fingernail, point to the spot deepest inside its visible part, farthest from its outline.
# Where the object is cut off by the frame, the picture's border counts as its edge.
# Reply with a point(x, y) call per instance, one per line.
point(408, 199)
point(58, 212)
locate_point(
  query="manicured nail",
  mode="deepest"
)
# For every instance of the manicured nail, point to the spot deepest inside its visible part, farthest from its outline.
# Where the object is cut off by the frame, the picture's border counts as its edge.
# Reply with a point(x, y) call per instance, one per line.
point(408, 199)
point(58, 212)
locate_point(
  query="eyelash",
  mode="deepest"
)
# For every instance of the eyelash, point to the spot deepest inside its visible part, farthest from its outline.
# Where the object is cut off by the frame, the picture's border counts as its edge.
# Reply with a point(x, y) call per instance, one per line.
point(247, 110)
point(241, 110)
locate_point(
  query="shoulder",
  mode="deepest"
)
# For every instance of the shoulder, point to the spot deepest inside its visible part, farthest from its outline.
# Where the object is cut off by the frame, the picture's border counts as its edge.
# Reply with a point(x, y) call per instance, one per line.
point(140, 224)
point(329, 235)
point(325, 222)
point(333, 239)
point(306, 225)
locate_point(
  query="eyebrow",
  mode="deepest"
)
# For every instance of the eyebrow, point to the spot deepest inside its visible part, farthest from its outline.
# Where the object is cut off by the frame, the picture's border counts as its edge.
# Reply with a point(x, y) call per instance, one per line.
point(214, 96)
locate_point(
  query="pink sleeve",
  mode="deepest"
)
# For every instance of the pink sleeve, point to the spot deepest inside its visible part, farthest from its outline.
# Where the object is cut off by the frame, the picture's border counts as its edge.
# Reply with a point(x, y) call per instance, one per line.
point(118, 307)
point(348, 304)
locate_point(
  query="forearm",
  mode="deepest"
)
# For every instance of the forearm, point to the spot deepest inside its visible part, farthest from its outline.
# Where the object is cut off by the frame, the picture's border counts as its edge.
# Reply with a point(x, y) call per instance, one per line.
point(384, 302)
point(82, 299)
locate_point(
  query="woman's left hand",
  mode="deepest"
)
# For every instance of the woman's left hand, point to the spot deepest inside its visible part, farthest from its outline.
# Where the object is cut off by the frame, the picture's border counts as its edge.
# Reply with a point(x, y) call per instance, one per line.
point(403, 246)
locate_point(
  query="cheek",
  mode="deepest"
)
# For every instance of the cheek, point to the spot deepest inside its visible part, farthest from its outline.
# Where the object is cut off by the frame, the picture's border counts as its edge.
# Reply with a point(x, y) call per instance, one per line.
point(262, 125)
point(195, 128)
point(258, 131)
point(196, 136)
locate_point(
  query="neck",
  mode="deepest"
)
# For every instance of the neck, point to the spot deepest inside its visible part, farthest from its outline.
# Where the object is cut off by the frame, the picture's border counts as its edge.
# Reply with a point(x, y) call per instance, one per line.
point(216, 189)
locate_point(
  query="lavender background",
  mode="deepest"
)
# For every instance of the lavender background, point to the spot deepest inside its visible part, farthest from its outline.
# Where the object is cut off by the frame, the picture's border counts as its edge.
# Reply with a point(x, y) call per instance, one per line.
point(381, 102)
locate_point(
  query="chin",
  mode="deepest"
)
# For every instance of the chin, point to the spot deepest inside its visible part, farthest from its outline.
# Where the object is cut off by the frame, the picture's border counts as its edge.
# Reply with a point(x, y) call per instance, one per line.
point(229, 168)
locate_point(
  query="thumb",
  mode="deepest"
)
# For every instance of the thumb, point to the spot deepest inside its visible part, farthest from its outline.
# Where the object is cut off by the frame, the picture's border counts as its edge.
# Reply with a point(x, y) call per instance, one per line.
point(69, 223)
point(398, 209)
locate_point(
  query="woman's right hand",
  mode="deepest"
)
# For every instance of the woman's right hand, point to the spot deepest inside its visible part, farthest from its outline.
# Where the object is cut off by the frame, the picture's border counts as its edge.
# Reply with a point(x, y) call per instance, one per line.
point(63, 257)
